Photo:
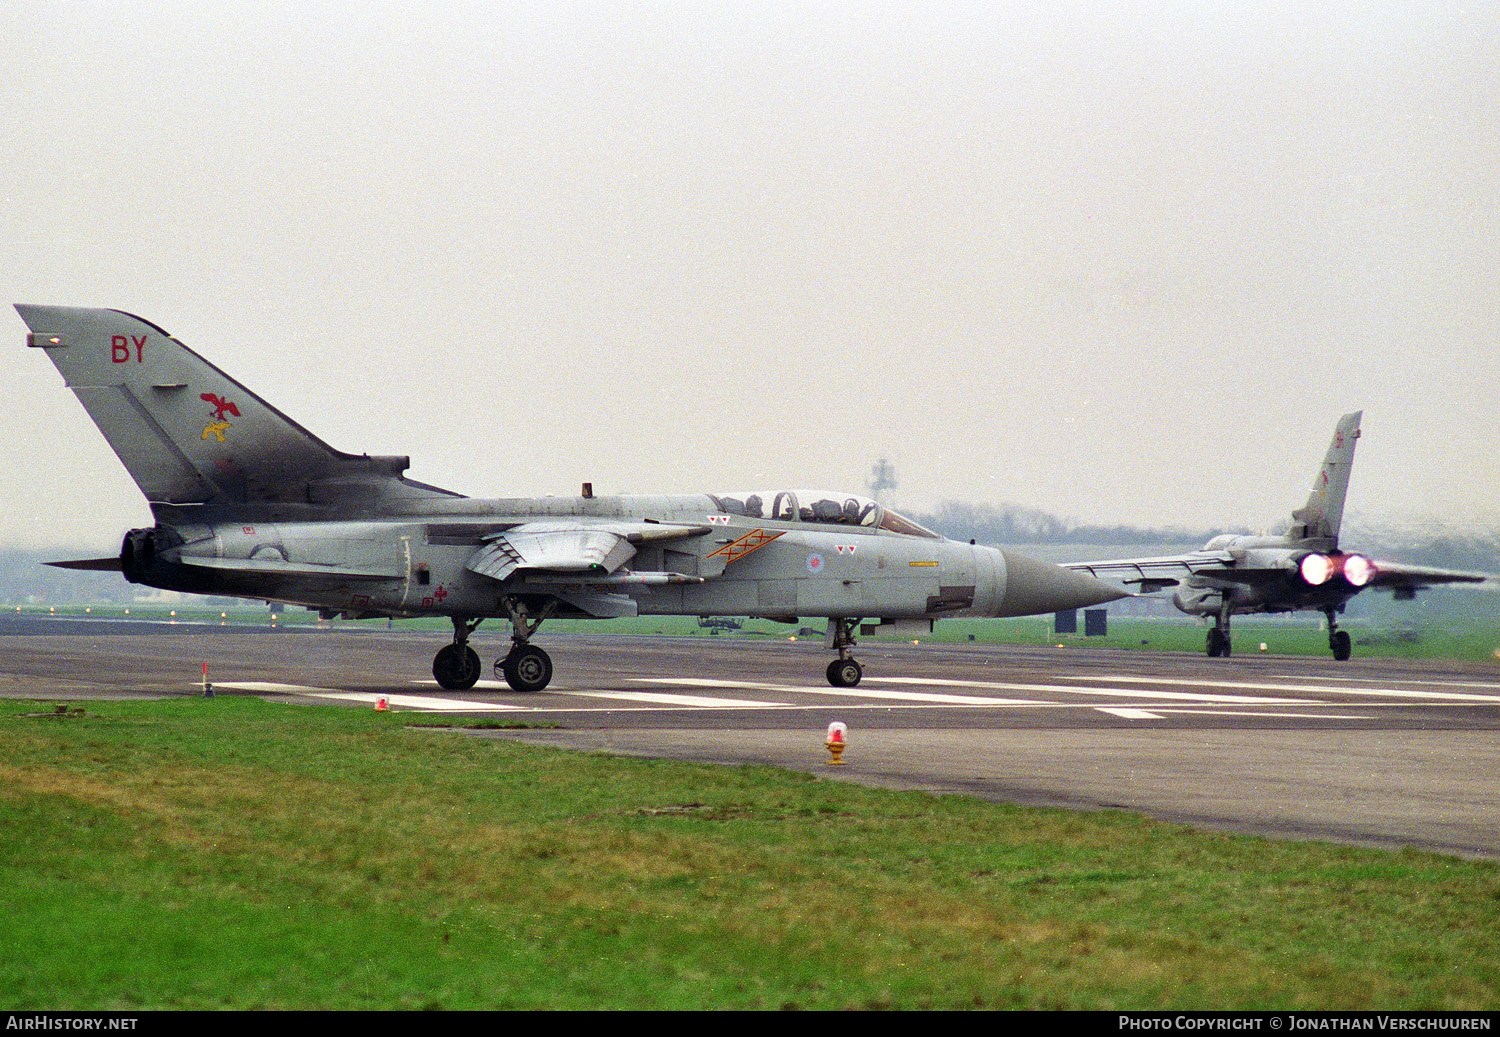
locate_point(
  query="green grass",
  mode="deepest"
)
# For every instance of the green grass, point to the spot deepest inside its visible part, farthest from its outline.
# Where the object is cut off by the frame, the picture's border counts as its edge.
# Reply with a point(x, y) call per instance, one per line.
point(233, 853)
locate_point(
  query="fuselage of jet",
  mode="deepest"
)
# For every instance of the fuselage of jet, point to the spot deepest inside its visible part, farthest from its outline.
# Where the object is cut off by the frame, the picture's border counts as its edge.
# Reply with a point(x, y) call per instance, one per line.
point(687, 555)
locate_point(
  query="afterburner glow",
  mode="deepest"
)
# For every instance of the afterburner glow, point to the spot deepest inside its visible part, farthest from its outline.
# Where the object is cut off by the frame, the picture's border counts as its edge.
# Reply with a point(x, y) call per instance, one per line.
point(1358, 570)
point(1316, 570)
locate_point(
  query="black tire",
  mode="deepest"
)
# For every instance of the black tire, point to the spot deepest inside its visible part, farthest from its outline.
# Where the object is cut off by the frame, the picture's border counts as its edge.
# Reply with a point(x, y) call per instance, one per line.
point(456, 668)
point(844, 673)
point(1341, 645)
point(526, 668)
point(1218, 644)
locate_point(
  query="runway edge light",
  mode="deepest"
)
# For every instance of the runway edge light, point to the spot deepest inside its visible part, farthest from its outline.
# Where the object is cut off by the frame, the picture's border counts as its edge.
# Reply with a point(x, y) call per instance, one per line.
point(835, 741)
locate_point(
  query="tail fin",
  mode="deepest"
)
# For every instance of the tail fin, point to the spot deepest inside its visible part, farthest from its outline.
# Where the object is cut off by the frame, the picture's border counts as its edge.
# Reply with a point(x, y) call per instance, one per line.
point(192, 437)
point(1320, 517)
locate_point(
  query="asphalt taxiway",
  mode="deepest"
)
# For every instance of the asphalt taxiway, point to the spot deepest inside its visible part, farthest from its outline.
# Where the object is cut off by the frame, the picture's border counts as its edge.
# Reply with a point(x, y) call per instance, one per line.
point(1376, 752)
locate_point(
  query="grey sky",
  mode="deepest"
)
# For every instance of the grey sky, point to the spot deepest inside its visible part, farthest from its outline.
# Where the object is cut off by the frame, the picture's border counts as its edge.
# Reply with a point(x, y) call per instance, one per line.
point(1123, 262)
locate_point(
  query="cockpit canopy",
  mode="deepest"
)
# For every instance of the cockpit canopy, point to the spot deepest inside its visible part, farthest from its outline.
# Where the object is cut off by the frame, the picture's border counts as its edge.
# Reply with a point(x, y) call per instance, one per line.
point(819, 507)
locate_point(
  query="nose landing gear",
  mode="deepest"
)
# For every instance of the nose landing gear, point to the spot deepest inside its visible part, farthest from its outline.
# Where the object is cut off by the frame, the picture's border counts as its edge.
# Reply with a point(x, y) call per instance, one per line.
point(843, 672)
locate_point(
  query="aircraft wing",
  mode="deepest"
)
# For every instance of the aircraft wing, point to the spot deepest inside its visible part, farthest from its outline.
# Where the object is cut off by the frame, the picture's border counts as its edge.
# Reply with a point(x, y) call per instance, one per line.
point(1153, 574)
point(1399, 577)
point(570, 547)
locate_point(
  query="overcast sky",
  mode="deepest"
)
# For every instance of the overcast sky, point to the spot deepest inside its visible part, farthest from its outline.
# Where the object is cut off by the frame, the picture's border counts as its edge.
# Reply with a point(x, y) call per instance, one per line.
point(1123, 262)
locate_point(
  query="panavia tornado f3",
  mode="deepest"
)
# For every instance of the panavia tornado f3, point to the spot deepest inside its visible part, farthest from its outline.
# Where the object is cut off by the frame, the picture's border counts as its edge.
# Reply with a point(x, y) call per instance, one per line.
point(248, 503)
point(1304, 569)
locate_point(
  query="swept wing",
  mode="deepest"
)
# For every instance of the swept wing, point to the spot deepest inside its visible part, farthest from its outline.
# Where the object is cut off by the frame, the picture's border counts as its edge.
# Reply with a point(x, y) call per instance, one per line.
point(570, 548)
point(1145, 575)
point(1399, 577)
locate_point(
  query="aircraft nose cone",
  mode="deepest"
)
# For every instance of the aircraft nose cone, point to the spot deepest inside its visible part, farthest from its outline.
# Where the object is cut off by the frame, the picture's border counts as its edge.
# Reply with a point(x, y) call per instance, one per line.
point(1033, 587)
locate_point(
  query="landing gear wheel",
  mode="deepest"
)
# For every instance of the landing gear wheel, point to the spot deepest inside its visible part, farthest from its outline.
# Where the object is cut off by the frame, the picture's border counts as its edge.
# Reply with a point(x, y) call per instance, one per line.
point(1339, 642)
point(844, 673)
point(1218, 644)
point(526, 668)
point(456, 667)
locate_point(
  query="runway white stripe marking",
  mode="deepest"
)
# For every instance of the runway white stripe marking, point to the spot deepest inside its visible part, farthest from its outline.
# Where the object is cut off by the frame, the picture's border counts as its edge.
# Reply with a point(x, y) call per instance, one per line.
point(1393, 680)
point(1130, 714)
point(933, 698)
point(1280, 716)
point(422, 702)
point(882, 699)
point(866, 693)
point(484, 685)
point(669, 700)
point(1453, 696)
point(1249, 700)
point(700, 701)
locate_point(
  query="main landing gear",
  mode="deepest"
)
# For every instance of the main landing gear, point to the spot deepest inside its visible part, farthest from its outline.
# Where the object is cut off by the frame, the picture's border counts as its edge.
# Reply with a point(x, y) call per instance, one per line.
point(1338, 640)
point(844, 672)
point(457, 666)
point(525, 667)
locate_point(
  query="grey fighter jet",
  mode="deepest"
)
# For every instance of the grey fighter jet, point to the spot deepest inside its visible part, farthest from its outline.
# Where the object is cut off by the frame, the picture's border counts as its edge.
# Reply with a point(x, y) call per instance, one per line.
point(1304, 569)
point(250, 504)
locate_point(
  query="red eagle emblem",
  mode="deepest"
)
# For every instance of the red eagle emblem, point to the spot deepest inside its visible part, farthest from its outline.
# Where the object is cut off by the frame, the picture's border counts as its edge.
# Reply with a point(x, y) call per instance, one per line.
point(220, 405)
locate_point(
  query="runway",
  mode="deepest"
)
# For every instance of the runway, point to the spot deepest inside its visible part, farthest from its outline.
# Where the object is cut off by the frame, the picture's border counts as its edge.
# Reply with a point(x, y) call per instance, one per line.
point(1376, 752)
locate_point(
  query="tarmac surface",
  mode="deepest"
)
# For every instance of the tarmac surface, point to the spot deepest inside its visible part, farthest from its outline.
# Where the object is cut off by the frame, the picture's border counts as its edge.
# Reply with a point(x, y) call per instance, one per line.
point(1374, 752)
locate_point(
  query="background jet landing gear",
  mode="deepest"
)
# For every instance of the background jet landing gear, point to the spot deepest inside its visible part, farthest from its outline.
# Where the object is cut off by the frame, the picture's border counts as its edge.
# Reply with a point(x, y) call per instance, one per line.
point(457, 666)
point(1338, 640)
point(526, 667)
point(1218, 637)
point(844, 672)
point(1218, 643)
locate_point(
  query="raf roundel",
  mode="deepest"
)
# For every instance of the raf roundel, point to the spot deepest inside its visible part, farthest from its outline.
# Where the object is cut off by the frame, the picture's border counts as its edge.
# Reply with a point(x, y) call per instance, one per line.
point(814, 563)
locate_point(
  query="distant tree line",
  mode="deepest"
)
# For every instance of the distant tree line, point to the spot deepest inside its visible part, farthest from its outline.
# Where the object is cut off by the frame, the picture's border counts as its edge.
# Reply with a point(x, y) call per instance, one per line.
point(1016, 524)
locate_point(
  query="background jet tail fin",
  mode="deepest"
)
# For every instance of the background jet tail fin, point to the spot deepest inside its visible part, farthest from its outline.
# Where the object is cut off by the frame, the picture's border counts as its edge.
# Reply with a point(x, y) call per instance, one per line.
point(191, 435)
point(1321, 516)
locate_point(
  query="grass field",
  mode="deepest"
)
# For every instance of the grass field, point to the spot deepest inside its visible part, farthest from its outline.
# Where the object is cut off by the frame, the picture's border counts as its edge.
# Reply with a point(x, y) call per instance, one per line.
point(233, 853)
